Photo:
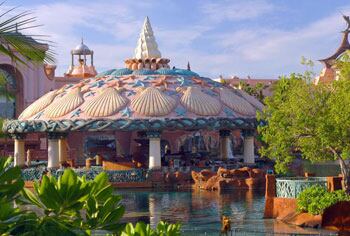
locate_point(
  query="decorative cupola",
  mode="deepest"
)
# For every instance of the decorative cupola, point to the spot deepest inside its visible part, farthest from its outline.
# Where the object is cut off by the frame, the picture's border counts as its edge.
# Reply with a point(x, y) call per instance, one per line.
point(82, 69)
point(147, 54)
point(329, 73)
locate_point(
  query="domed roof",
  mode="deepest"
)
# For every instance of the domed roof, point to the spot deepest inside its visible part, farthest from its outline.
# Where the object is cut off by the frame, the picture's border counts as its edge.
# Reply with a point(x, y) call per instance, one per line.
point(144, 94)
point(147, 95)
point(81, 49)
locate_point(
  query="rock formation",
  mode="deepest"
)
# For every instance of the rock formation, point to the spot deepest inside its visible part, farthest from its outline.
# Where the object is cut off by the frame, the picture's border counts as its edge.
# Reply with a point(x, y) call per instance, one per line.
point(223, 179)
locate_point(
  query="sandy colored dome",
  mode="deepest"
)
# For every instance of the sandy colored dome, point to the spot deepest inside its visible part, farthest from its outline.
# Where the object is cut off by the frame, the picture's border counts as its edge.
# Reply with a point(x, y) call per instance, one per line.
point(129, 96)
point(146, 90)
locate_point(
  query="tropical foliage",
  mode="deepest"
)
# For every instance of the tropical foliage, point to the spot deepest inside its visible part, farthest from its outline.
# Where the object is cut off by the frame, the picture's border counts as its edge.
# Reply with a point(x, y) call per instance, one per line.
point(142, 229)
point(343, 65)
point(69, 205)
point(257, 91)
point(20, 46)
point(2, 134)
point(316, 199)
point(307, 119)
point(10, 186)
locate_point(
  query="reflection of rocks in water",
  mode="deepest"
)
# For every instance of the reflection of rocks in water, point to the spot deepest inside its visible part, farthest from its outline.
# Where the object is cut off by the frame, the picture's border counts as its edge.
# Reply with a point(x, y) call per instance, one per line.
point(281, 227)
point(226, 203)
point(172, 206)
point(200, 211)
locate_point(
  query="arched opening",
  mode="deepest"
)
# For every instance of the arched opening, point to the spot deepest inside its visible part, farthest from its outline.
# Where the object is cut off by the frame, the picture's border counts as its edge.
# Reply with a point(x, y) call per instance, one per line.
point(12, 104)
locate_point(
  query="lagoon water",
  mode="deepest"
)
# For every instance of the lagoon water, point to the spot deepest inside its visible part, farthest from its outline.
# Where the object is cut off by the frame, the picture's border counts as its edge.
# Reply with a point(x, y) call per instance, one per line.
point(200, 211)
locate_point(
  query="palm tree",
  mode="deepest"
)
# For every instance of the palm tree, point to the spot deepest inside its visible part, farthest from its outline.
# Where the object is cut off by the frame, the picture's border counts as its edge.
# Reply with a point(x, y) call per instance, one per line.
point(21, 48)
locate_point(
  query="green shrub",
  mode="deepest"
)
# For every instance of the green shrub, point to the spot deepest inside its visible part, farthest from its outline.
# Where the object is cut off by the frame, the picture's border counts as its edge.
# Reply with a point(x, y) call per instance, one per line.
point(67, 205)
point(316, 199)
point(141, 229)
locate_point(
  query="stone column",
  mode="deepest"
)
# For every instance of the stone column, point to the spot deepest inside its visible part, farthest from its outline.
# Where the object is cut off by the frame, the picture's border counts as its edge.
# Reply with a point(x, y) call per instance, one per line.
point(62, 146)
point(53, 150)
point(19, 152)
point(225, 147)
point(248, 151)
point(154, 150)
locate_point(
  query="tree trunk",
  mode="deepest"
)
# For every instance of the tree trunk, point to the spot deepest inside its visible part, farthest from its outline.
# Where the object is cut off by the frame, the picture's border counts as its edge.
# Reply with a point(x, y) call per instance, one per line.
point(345, 170)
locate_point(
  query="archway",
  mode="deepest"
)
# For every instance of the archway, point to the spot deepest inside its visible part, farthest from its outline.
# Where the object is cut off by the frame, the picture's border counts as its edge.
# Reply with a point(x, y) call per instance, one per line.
point(12, 107)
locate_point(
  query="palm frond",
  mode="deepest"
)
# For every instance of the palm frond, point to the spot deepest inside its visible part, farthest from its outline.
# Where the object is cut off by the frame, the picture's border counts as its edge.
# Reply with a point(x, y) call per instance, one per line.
point(21, 47)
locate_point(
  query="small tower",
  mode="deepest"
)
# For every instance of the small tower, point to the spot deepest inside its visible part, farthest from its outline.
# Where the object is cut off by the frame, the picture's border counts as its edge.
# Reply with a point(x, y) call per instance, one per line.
point(82, 69)
point(147, 54)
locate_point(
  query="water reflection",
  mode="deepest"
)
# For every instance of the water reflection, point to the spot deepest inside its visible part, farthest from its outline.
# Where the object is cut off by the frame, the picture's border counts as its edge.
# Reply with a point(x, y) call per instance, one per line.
point(200, 211)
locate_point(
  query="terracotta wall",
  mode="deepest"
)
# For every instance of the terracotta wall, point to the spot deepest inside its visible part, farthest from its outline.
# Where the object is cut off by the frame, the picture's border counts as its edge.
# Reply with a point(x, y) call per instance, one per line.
point(337, 217)
point(280, 207)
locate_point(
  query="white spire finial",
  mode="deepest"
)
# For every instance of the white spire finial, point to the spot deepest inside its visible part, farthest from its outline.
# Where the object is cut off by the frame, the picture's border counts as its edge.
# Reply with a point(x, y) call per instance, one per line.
point(146, 45)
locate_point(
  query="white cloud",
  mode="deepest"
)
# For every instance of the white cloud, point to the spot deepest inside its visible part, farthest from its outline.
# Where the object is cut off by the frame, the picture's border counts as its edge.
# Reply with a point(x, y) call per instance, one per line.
point(270, 52)
point(66, 23)
point(259, 51)
point(236, 10)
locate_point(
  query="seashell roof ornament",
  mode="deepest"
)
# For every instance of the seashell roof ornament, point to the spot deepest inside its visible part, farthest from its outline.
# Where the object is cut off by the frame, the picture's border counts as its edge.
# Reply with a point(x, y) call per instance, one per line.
point(152, 102)
point(38, 105)
point(146, 45)
point(251, 99)
point(200, 103)
point(65, 104)
point(147, 55)
point(236, 103)
point(108, 102)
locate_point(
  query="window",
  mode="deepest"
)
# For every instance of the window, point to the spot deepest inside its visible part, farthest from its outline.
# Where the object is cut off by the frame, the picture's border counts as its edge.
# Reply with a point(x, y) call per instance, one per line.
point(8, 89)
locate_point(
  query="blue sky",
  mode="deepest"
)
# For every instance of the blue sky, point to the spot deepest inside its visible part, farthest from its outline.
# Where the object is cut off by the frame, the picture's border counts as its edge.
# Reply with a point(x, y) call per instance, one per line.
point(263, 39)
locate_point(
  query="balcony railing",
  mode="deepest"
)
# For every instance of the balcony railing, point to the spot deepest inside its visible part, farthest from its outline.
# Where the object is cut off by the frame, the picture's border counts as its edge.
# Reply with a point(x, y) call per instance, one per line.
point(291, 187)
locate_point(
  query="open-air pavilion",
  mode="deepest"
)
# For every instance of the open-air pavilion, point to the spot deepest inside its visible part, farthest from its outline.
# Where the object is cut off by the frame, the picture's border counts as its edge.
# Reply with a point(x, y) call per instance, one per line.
point(146, 100)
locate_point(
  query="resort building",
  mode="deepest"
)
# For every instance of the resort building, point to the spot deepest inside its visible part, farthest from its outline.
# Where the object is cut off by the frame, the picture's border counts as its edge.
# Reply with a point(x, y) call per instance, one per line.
point(148, 114)
point(237, 82)
point(26, 83)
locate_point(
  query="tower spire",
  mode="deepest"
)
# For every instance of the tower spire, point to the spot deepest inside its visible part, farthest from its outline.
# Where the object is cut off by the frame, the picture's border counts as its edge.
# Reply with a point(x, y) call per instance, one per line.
point(146, 45)
point(188, 66)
